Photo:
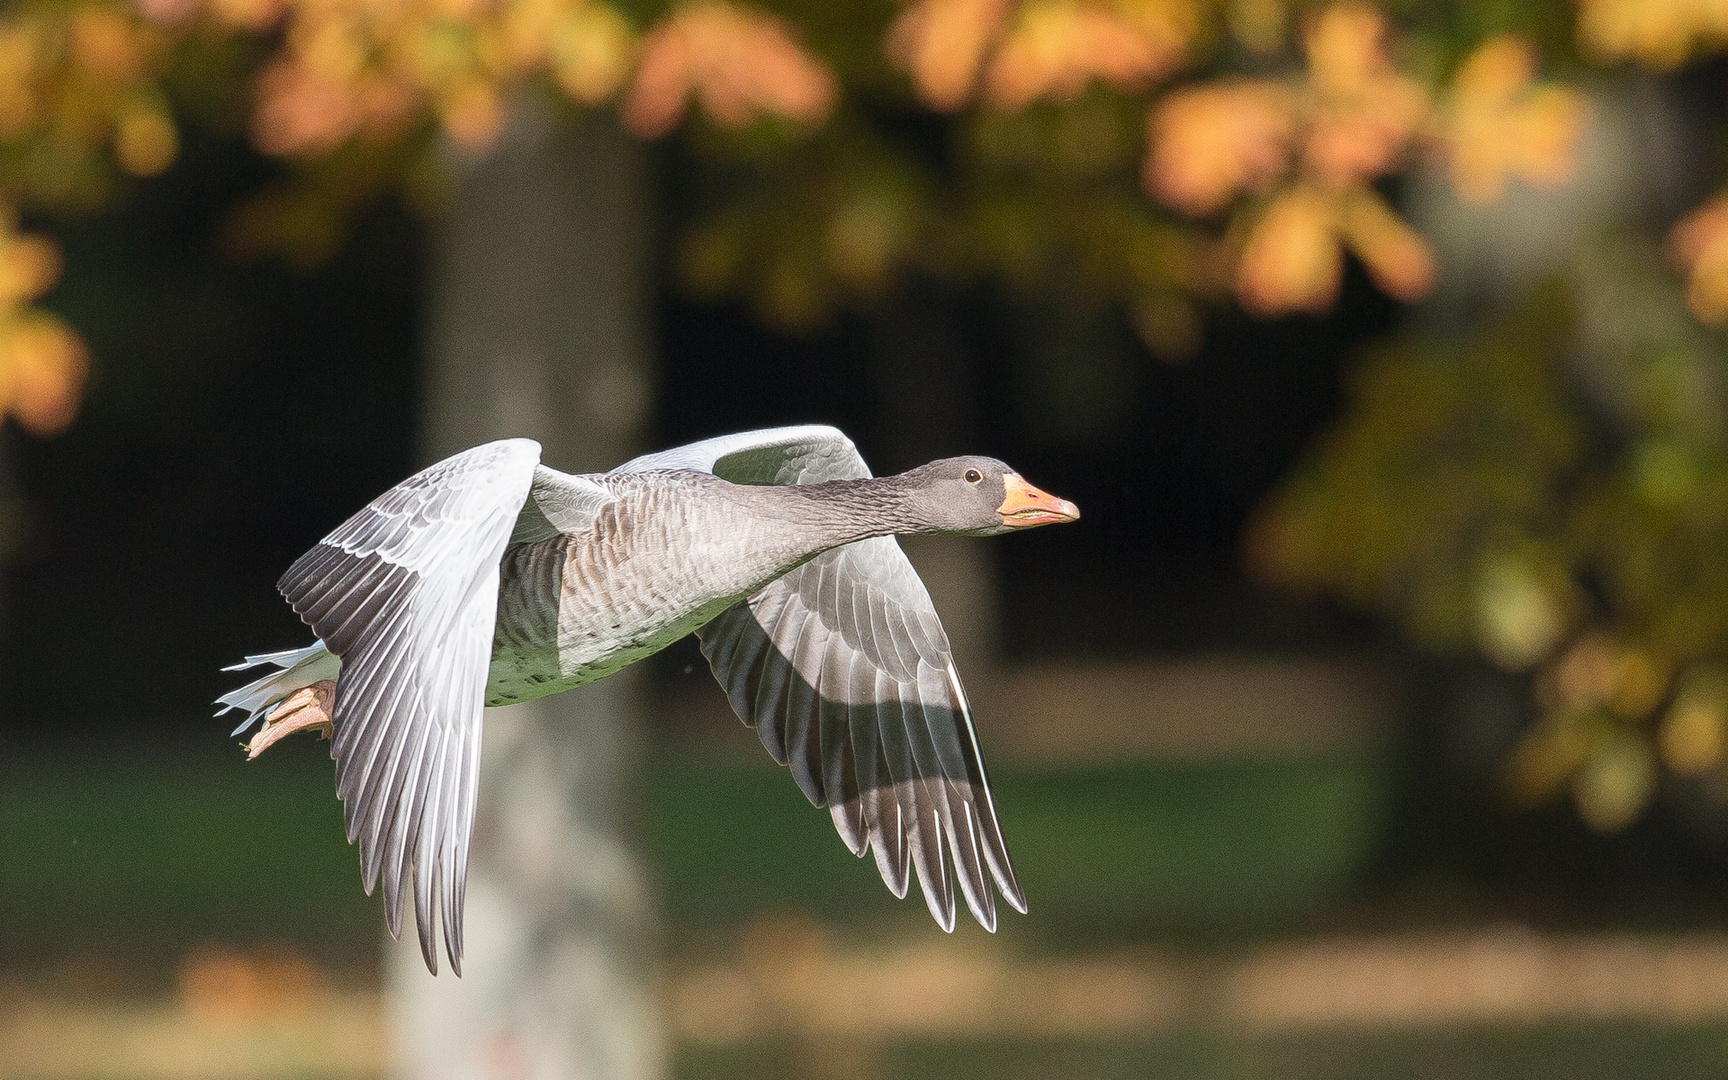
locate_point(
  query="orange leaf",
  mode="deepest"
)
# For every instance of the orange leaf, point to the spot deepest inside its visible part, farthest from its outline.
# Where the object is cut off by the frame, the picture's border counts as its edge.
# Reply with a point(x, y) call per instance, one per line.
point(1363, 112)
point(167, 11)
point(737, 62)
point(1208, 143)
point(104, 40)
point(1699, 243)
point(29, 266)
point(42, 369)
point(1394, 254)
point(1292, 260)
point(22, 45)
point(384, 104)
point(942, 44)
point(1346, 147)
point(298, 112)
point(472, 114)
point(657, 97)
point(250, 15)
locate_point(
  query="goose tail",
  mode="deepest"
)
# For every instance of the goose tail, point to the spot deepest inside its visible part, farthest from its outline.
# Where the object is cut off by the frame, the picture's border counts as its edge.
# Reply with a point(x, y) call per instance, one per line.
point(294, 668)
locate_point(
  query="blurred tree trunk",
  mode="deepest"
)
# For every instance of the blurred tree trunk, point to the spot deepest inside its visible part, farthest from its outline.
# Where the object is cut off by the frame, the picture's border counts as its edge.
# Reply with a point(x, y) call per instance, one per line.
point(924, 379)
point(538, 326)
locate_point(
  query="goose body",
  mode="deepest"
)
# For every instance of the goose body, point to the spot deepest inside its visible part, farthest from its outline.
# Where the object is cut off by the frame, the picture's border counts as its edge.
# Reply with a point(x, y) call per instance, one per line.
point(669, 552)
point(490, 579)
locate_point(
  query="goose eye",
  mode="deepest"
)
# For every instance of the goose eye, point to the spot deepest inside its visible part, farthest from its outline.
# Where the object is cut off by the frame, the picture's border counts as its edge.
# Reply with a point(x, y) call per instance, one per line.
point(973, 476)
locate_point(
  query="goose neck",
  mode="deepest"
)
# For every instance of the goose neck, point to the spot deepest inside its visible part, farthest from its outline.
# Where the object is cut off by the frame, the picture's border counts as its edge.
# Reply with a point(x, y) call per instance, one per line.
point(848, 510)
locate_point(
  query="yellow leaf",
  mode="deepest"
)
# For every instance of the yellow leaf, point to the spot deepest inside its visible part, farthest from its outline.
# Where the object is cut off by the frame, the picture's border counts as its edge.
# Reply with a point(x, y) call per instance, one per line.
point(1497, 125)
point(1058, 46)
point(1518, 618)
point(1259, 25)
point(145, 141)
point(1346, 49)
point(1553, 752)
point(592, 53)
point(1616, 782)
point(328, 46)
point(861, 239)
point(1694, 734)
point(1657, 33)
point(529, 27)
point(1168, 324)
point(1171, 27)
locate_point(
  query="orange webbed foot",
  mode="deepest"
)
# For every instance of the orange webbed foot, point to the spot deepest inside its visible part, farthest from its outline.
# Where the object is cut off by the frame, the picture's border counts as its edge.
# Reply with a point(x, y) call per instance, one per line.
point(307, 707)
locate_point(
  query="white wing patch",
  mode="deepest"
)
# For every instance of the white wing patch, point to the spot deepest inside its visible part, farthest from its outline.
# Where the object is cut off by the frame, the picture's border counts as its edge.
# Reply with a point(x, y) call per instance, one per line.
point(405, 593)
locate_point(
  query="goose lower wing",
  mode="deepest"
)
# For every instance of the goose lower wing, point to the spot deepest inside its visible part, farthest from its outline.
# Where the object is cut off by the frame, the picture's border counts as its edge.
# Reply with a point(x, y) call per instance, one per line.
point(844, 670)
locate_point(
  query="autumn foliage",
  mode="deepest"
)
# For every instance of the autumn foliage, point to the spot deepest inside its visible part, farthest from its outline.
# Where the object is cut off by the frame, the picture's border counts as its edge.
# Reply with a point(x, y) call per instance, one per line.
point(1308, 148)
point(1164, 156)
point(1286, 164)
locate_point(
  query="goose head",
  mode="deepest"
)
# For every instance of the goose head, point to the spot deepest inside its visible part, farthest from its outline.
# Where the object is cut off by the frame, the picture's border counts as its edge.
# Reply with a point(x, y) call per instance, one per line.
point(979, 496)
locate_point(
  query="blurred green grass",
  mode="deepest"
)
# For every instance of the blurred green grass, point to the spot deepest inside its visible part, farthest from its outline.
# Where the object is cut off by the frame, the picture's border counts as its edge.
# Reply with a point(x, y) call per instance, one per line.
point(1109, 848)
point(157, 850)
point(160, 848)
point(1546, 1052)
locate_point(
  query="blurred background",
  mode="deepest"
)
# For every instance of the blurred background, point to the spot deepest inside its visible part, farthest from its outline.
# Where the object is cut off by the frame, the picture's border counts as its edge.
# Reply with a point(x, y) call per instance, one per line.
point(1372, 722)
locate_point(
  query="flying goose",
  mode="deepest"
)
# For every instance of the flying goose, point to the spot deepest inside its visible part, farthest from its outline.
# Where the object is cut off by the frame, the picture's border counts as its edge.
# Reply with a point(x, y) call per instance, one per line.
point(489, 579)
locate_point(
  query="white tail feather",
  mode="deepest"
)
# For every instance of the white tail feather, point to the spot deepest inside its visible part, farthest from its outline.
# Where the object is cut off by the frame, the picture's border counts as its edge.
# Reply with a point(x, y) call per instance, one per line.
point(295, 668)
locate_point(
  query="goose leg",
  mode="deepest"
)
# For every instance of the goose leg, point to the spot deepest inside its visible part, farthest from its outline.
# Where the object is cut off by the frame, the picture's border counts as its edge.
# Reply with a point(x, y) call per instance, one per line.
point(307, 707)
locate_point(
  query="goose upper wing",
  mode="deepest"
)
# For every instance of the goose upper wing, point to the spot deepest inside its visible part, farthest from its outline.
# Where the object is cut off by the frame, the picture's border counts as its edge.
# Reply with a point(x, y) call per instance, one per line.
point(845, 672)
point(406, 593)
point(805, 454)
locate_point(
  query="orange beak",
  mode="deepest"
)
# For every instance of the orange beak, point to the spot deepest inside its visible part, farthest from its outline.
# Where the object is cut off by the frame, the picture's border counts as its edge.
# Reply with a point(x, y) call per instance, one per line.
point(1026, 506)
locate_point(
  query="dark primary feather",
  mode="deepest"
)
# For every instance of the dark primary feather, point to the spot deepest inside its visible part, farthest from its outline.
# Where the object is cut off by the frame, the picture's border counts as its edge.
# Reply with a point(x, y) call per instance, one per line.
point(405, 592)
point(845, 672)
